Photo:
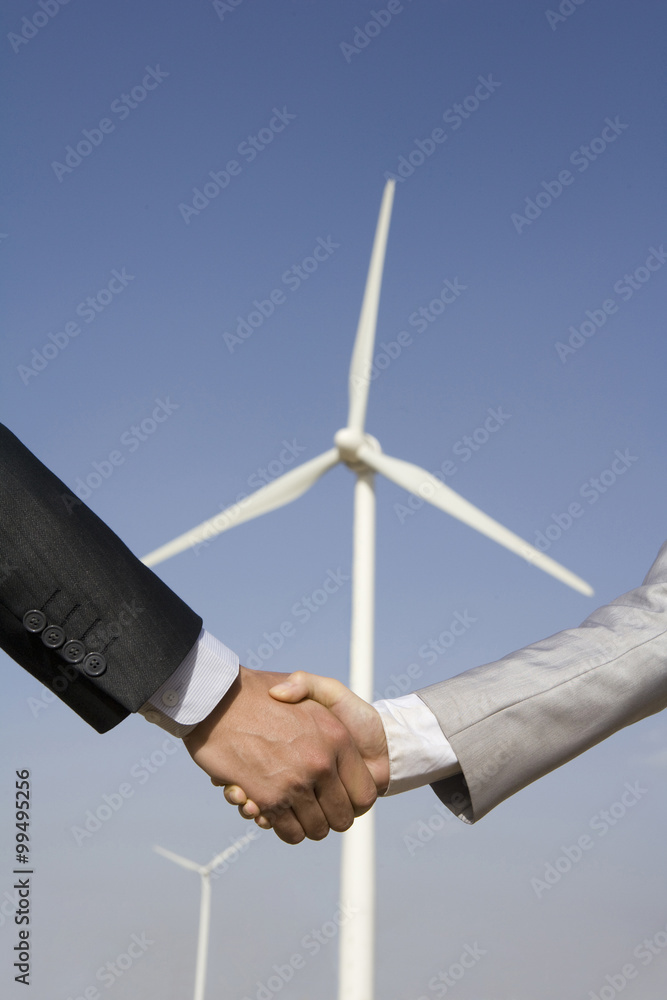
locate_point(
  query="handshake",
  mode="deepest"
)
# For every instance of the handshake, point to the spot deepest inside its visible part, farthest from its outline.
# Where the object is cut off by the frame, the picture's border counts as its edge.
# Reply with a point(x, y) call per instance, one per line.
point(295, 752)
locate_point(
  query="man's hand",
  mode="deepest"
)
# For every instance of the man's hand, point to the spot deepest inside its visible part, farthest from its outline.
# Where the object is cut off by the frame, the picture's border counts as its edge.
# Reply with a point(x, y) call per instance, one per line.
point(361, 720)
point(297, 761)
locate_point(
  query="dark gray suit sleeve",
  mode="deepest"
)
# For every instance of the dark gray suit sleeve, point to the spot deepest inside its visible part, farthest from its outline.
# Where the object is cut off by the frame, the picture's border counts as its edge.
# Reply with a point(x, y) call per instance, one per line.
point(58, 558)
point(512, 721)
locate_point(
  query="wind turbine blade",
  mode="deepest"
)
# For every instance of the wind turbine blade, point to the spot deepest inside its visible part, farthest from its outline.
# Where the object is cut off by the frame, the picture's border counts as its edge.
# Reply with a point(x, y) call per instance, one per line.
point(424, 484)
point(229, 851)
point(281, 491)
point(183, 862)
point(362, 355)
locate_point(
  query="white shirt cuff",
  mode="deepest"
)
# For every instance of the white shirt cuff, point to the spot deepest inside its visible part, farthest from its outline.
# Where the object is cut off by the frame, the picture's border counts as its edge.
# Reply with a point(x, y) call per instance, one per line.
point(195, 687)
point(419, 752)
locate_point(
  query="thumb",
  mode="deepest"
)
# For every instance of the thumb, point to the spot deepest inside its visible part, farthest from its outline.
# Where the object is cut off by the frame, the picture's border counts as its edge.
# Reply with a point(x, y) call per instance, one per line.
point(299, 685)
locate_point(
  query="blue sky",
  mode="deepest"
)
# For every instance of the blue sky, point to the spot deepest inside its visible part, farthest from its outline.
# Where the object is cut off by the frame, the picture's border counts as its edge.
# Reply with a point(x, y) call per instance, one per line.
point(489, 105)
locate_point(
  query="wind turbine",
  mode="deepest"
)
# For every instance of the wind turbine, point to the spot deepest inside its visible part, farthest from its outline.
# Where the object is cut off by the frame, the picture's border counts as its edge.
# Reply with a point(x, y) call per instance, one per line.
point(205, 907)
point(363, 455)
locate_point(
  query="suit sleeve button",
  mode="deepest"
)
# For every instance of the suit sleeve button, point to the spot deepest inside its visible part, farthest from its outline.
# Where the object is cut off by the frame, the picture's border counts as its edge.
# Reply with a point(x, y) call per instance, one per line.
point(94, 664)
point(73, 651)
point(34, 621)
point(53, 636)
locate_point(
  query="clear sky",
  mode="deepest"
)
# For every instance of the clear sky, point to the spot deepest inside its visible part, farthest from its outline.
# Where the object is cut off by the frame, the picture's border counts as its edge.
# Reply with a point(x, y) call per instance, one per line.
point(530, 151)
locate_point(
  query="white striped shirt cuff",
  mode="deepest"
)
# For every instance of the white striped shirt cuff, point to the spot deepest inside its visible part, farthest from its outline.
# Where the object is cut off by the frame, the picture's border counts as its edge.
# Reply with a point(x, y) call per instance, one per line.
point(195, 687)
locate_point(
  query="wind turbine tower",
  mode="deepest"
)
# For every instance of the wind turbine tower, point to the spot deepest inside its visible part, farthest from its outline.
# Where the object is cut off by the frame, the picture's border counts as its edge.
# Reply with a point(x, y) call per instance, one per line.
point(363, 455)
point(205, 907)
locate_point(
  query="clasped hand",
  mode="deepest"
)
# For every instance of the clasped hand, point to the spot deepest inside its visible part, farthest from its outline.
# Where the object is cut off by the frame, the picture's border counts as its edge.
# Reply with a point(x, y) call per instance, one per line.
point(297, 753)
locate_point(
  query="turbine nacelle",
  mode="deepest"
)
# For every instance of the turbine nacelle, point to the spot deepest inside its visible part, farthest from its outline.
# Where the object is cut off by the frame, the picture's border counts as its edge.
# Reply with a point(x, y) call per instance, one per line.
point(350, 441)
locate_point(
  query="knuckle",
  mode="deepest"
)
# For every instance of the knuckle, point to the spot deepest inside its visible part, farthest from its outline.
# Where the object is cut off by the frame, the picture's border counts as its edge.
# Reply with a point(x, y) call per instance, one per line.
point(322, 767)
point(299, 789)
point(289, 835)
point(342, 824)
point(367, 799)
point(273, 813)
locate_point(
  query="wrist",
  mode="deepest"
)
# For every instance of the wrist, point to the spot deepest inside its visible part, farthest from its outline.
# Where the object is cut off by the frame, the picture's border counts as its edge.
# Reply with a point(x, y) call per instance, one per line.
point(202, 730)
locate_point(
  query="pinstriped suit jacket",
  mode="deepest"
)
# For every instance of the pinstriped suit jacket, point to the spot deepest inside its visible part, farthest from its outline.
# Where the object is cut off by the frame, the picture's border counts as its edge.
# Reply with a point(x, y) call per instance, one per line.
point(58, 557)
point(512, 721)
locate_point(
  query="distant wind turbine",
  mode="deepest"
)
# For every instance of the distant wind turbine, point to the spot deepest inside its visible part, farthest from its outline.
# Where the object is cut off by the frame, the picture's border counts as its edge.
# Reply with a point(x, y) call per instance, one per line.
point(363, 455)
point(205, 907)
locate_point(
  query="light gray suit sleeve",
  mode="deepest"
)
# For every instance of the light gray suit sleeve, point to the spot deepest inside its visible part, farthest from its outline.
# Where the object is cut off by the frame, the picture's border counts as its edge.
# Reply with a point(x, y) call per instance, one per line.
point(512, 721)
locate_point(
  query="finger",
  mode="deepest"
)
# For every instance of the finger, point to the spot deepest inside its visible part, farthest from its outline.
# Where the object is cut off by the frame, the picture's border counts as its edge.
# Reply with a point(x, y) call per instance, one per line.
point(264, 823)
point(351, 771)
point(357, 780)
point(234, 794)
point(308, 821)
point(288, 827)
point(299, 685)
point(237, 797)
point(336, 804)
point(313, 818)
